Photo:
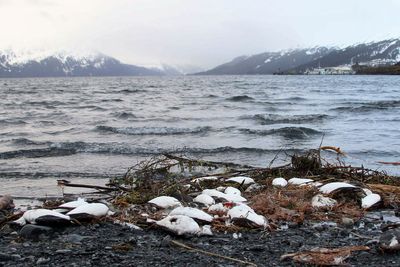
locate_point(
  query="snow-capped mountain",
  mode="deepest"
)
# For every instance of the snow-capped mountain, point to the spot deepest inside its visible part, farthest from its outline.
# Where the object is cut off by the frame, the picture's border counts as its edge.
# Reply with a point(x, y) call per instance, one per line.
point(300, 60)
point(63, 64)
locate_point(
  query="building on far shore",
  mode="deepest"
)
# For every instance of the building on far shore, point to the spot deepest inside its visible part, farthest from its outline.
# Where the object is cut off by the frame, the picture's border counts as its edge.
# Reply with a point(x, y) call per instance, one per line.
point(339, 70)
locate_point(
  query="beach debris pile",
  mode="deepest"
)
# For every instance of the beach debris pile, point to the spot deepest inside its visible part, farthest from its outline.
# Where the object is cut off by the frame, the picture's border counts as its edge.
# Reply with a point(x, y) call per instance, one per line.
point(188, 197)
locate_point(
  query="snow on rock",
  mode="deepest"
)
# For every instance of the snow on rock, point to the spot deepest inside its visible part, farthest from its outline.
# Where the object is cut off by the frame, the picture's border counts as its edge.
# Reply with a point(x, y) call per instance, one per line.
point(34, 216)
point(216, 208)
point(205, 230)
point(192, 213)
point(370, 200)
point(217, 194)
point(232, 191)
point(300, 181)
point(279, 182)
point(320, 201)
point(165, 202)
point(73, 204)
point(241, 179)
point(204, 199)
point(91, 209)
point(180, 225)
point(330, 187)
point(245, 212)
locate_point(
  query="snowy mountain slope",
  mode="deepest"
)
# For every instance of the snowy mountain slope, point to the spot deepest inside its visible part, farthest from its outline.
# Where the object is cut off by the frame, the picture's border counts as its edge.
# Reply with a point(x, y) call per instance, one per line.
point(299, 60)
point(13, 64)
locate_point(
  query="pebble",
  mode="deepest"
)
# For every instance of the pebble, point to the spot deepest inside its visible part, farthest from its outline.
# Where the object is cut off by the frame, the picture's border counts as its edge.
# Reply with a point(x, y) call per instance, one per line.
point(42, 260)
point(31, 231)
point(348, 222)
point(63, 251)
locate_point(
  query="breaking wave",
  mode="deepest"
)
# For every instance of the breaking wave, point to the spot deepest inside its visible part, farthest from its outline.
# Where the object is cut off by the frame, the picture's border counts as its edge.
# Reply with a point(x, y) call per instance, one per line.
point(240, 98)
point(265, 119)
point(287, 132)
point(153, 130)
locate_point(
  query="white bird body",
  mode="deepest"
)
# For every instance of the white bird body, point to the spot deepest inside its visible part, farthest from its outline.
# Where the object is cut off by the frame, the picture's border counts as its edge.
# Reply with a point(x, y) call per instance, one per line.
point(165, 202)
point(245, 212)
point(204, 199)
point(73, 204)
point(370, 200)
point(227, 197)
point(31, 216)
point(300, 181)
point(320, 201)
point(279, 182)
point(330, 187)
point(92, 209)
point(232, 191)
point(180, 225)
point(192, 213)
point(241, 179)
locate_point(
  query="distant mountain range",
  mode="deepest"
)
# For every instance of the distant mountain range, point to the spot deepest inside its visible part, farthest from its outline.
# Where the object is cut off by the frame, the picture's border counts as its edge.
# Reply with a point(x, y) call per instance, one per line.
point(64, 64)
point(297, 61)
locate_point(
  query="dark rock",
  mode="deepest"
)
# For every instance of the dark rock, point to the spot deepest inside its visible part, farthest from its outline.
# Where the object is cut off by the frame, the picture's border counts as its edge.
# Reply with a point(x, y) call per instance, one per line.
point(390, 240)
point(5, 257)
point(31, 231)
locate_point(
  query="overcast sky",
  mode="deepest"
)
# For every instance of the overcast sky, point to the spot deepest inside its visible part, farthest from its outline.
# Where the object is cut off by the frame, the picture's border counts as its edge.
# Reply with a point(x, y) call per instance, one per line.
point(202, 32)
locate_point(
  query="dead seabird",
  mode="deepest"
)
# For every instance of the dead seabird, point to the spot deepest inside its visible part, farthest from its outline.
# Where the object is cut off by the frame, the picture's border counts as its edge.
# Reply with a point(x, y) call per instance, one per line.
point(43, 217)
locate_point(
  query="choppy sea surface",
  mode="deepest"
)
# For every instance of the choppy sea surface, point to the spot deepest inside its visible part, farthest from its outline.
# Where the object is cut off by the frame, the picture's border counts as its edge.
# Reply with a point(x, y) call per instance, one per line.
point(98, 127)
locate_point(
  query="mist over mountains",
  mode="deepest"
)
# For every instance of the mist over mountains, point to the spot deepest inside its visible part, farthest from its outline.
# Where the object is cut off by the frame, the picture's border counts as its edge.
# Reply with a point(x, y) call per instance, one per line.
point(14, 65)
point(297, 61)
point(294, 61)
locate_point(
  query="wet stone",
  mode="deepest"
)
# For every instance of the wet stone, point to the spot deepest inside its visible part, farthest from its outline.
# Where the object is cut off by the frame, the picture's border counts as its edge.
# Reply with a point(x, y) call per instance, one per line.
point(34, 232)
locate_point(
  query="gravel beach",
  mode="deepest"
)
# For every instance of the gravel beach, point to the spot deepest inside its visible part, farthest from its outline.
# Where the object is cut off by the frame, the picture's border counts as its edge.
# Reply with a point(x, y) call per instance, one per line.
point(107, 244)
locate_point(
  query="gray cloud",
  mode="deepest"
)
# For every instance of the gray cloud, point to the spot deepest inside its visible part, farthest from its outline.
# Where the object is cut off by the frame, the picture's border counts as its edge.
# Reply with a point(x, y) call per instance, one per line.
point(205, 33)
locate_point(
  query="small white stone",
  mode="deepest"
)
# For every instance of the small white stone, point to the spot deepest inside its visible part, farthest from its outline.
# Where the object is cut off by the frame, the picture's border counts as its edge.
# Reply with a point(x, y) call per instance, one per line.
point(367, 191)
point(206, 178)
point(218, 194)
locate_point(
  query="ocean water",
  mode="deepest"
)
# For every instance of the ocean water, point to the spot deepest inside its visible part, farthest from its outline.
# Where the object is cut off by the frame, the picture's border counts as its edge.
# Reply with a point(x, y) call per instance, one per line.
point(98, 127)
